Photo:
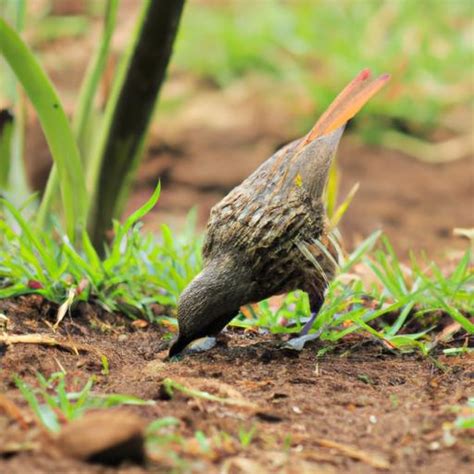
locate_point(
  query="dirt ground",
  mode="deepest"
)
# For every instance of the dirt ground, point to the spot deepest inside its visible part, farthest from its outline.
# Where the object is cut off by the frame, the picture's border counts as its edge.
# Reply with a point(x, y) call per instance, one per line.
point(357, 409)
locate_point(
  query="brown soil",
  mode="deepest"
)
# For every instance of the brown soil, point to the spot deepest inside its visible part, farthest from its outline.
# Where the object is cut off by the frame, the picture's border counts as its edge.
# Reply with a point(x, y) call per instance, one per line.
point(391, 410)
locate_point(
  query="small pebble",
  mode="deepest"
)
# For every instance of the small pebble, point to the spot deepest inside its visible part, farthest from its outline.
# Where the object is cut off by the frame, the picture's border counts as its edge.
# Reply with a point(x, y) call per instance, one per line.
point(434, 446)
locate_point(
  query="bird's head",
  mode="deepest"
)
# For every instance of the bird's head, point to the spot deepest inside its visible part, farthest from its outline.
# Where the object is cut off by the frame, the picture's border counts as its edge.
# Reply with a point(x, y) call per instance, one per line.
point(207, 305)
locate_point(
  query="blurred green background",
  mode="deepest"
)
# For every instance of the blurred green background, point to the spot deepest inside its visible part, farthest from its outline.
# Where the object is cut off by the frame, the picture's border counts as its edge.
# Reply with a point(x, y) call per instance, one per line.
point(318, 45)
point(311, 48)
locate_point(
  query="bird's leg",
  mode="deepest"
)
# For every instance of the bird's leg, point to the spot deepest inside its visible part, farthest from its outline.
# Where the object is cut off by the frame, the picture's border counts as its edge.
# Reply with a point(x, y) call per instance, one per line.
point(315, 303)
point(298, 343)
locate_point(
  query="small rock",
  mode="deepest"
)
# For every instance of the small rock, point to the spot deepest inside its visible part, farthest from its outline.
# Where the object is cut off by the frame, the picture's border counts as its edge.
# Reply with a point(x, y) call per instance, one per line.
point(298, 343)
point(104, 437)
point(201, 345)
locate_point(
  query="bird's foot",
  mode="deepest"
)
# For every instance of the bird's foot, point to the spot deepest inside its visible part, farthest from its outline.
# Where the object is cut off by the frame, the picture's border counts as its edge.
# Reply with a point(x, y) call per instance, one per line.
point(299, 342)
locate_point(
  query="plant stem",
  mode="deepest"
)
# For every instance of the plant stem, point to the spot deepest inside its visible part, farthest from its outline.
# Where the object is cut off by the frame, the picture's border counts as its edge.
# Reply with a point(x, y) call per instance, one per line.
point(128, 113)
point(55, 125)
point(86, 97)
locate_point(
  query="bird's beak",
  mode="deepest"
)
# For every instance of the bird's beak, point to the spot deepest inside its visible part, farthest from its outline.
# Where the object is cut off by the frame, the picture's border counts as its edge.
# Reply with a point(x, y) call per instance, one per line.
point(177, 346)
point(346, 105)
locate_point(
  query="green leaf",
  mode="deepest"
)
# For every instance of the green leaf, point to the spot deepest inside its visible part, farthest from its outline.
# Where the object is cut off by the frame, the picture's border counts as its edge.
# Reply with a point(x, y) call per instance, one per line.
point(43, 412)
point(341, 210)
point(47, 259)
point(161, 423)
point(6, 132)
point(363, 249)
point(56, 128)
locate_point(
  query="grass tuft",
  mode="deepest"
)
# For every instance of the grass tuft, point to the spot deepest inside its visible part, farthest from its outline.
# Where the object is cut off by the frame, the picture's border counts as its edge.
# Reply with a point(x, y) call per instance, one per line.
point(53, 404)
point(138, 269)
point(375, 293)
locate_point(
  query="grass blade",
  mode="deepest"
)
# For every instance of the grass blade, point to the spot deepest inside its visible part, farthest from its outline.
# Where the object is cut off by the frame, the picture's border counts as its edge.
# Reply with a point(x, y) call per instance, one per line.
point(56, 128)
point(94, 73)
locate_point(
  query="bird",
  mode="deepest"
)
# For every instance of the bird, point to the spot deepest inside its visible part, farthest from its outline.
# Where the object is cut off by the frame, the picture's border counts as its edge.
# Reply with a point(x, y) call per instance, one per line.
point(270, 234)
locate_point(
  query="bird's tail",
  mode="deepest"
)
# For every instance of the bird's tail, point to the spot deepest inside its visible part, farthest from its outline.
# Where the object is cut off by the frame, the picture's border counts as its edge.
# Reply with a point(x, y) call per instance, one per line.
point(352, 98)
point(306, 163)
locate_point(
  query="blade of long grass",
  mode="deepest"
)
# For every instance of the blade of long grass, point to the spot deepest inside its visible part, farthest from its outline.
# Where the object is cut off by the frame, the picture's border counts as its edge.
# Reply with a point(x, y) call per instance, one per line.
point(18, 180)
point(91, 254)
point(396, 326)
point(130, 221)
point(341, 210)
point(48, 260)
point(12, 161)
point(94, 73)
point(6, 133)
point(119, 146)
point(14, 13)
point(84, 394)
point(81, 264)
point(87, 93)
point(56, 128)
point(332, 189)
point(456, 315)
point(47, 418)
point(363, 249)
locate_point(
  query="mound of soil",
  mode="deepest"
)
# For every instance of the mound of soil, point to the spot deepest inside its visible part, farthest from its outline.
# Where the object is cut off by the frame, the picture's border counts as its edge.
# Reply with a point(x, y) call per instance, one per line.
point(356, 409)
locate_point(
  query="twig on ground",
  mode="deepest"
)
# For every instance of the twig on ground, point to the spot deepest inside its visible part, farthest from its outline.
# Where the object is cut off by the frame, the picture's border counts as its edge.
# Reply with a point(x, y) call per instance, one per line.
point(355, 453)
point(43, 339)
point(169, 385)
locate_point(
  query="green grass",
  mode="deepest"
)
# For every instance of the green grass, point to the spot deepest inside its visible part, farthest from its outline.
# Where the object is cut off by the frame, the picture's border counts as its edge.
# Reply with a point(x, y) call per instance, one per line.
point(137, 269)
point(94, 159)
point(57, 400)
point(385, 293)
point(465, 416)
point(54, 123)
point(54, 402)
point(375, 293)
point(317, 46)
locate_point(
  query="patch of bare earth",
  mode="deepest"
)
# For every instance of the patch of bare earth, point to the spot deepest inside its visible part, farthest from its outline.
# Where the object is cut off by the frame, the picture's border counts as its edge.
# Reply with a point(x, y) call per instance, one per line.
point(357, 409)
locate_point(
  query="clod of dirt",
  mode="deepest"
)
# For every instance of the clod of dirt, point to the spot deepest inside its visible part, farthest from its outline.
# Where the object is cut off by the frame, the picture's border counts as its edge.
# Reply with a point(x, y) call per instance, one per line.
point(104, 437)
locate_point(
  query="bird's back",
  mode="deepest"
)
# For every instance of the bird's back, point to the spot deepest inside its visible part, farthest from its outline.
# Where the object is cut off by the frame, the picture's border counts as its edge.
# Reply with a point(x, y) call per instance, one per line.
point(263, 223)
